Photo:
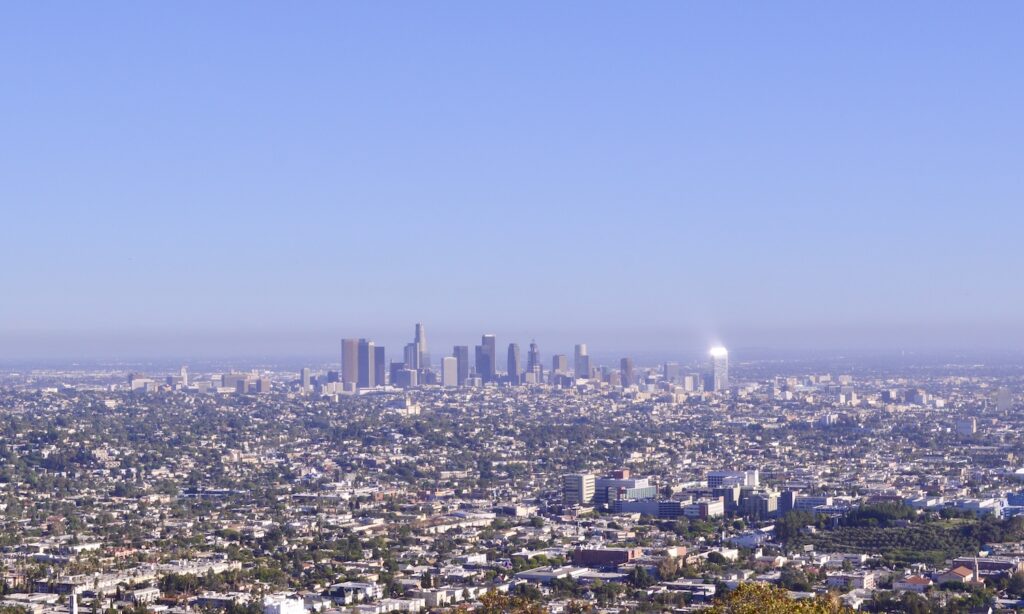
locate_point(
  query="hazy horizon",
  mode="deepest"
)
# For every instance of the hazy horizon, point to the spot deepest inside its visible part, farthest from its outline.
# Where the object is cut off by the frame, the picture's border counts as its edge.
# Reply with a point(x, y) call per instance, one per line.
point(321, 347)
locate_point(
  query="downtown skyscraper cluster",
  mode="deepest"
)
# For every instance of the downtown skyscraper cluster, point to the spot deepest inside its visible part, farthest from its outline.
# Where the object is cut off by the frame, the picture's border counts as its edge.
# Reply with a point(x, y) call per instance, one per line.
point(364, 366)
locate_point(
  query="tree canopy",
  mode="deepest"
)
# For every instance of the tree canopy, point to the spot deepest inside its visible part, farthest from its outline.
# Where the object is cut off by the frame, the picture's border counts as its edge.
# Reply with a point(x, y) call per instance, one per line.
point(754, 598)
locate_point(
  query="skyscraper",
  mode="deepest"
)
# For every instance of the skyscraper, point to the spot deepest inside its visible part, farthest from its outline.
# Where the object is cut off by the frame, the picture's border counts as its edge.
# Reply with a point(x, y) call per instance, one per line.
point(560, 364)
point(305, 379)
point(485, 358)
point(350, 361)
point(423, 355)
point(582, 362)
point(515, 367)
point(367, 369)
point(411, 355)
point(626, 366)
point(449, 371)
point(578, 488)
point(379, 366)
point(402, 377)
point(395, 370)
point(461, 354)
point(533, 363)
point(480, 362)
point(720, 368)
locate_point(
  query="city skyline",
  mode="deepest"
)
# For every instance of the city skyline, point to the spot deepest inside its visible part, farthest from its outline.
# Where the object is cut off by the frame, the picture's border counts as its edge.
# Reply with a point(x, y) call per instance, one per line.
point(576, 307)
point(321, 348)
point(365, 364)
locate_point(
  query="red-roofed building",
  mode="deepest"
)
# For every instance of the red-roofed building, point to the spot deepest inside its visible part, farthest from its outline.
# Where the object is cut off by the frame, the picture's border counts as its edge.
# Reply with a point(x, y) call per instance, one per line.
point(913, 584)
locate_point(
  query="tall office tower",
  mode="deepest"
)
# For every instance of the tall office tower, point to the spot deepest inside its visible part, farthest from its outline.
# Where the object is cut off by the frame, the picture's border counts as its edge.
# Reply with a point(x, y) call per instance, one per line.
point(404, 378)
point(423, 355)
point(720, 367)
point(515, 365)
point(184, 376)
point(379, 366)
point(449, 371)
point(367, 370)
point(488, 348)
point(350, 361)
point(461, 354)
point(559, 364)
point(533, 357)
point(479, 362)
point(582, 361)
point(578, 488)
point(1004, 402)
point(626, 366)
point(670, 371)
point(412, 356)
point(394, 372)
point(305, 379)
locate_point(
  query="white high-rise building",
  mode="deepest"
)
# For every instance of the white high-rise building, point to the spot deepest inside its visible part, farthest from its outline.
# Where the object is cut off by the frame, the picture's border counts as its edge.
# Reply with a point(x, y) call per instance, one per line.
point(729, 477)
point(450, 371)
point(582, 362)
point(277, 604)
point(720, 367)
point(422, 353)
point(578, 488)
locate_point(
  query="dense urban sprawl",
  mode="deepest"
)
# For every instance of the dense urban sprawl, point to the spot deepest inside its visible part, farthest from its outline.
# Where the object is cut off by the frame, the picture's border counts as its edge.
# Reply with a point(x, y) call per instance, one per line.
point(665, 487)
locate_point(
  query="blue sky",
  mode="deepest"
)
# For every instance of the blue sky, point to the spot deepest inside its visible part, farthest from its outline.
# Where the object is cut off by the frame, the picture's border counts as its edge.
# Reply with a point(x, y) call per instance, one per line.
point(235, 177)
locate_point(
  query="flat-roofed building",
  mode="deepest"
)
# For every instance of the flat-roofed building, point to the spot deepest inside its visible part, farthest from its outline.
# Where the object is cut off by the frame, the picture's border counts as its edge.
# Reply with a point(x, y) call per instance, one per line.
point(578, 488)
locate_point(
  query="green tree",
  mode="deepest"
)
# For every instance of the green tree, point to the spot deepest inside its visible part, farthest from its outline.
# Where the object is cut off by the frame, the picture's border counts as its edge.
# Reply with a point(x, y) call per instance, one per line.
point(751, 598)
point(668, 568)
point(640, 578)
point(494, 602)
point(1015, 586)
